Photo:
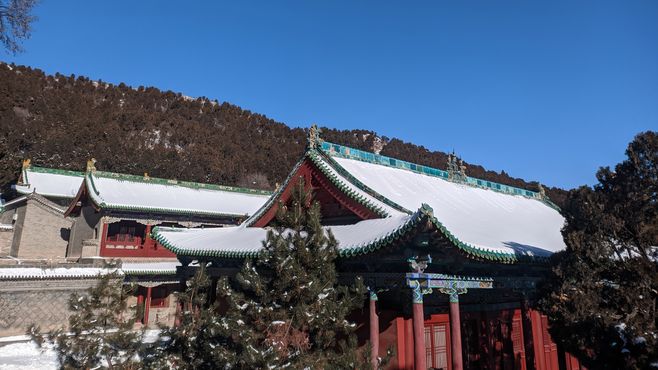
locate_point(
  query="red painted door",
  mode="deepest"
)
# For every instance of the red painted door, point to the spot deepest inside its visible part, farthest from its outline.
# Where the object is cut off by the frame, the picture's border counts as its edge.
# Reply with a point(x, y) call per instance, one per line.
point(437, 342)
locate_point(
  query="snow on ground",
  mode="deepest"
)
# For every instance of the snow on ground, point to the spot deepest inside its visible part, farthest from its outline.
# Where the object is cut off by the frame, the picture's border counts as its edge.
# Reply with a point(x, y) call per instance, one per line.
point(25, 355)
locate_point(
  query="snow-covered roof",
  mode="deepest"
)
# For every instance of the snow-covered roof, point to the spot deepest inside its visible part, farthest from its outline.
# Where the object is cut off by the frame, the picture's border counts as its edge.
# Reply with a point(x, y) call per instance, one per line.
point(137, 193)
point(239, 241)
point(6, 227)
point(49, 182)
point(475, 215)
point(19, 272)
point(484, 219)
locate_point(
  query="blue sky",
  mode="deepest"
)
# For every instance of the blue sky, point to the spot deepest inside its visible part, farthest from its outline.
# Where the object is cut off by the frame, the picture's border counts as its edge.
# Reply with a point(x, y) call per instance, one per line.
point(545, 90)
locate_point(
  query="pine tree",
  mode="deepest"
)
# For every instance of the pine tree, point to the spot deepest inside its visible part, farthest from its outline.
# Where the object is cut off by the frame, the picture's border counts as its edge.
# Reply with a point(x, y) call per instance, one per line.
point(198, 341)
point(283, 309)
point(289, 297)
point(602, 296)
point(100, 331)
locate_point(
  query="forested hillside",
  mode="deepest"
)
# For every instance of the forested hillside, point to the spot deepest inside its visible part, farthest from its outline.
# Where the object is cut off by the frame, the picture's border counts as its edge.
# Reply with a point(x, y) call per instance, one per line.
point(61, 121)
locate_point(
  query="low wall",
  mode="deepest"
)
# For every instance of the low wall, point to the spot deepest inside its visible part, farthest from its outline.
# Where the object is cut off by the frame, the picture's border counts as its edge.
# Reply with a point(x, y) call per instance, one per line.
point(41, 302)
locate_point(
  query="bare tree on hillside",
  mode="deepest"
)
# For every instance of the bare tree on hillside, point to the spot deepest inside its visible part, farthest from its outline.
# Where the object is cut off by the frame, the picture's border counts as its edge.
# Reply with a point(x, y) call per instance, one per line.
point(15, 23)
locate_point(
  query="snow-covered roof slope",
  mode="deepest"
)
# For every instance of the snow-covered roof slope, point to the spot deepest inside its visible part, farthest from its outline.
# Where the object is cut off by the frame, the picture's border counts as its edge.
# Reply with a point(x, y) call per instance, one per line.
point(477, 216)
point(241, 241)
point(485, 220)
point(49, 182)
point(136, 193)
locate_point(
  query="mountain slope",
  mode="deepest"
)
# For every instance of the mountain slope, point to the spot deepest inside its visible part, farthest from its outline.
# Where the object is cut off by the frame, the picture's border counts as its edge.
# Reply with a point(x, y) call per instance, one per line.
point(61, 121)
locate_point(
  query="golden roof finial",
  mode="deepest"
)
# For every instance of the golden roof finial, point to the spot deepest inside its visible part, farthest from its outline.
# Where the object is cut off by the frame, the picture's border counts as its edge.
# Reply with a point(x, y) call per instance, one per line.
point(27, 163)
point(91, 165)
point(146, 176)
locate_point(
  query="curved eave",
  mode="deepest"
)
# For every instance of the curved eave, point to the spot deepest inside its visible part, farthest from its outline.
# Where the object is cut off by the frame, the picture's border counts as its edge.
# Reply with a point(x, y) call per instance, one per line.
point(155, 234)
point(425, 213)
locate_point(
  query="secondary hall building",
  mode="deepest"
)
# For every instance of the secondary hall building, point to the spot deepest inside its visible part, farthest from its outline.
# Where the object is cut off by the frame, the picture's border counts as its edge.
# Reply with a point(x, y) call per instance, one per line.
point(66, 219)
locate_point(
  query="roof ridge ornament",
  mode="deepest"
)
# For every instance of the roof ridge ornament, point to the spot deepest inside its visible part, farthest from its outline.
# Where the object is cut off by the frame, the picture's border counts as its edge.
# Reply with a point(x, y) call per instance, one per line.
point(542, 192)
point(314, 141)
point(456, 168)
point(91, 165)
point(427, 209)
point(418, 265)
point(27, 163)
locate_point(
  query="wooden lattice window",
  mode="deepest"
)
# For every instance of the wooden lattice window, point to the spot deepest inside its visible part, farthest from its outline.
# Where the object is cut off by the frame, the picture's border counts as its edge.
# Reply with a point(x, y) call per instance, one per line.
point(437, 344)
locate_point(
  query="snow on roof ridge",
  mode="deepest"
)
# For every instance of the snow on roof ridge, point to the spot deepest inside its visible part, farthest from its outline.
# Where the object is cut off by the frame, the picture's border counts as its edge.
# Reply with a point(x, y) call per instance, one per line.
point(56, 171)
point(181, 183)
point(60, 185)
point(102, 188)
point(342, 151)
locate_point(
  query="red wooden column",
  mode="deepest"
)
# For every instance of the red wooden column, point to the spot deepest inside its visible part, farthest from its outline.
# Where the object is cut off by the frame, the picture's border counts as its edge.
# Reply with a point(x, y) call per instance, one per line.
point(409, 344)
point(147, 304)
point(455, 332)
point(419, 326)
point(140, 302)
point(103, 237)
point(374, 331)
point(147, 237)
